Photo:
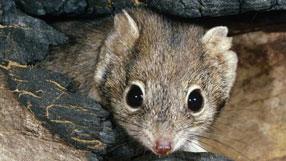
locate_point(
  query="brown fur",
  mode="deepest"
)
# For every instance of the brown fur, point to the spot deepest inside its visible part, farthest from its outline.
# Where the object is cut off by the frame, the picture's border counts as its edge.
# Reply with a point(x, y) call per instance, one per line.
point(166, 58)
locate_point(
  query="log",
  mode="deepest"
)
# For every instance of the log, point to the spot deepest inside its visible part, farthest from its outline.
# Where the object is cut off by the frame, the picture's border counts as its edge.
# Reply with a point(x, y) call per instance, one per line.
point(183, 8)
point(23, 38)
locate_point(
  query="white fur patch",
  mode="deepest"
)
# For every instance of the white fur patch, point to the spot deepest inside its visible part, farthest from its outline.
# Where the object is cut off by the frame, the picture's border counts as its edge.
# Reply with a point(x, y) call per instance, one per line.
point(101, 69)
point(195, 146)
point(132, 23)
point(98, 75)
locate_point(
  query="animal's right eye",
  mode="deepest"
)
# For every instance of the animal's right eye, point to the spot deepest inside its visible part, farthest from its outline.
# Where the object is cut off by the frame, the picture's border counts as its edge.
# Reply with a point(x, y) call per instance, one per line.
point(134, 97)
point(195, 101)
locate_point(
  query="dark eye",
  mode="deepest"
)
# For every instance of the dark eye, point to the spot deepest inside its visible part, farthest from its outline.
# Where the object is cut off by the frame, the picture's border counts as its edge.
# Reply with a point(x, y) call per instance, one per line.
point(195, 100)
point(134, 97)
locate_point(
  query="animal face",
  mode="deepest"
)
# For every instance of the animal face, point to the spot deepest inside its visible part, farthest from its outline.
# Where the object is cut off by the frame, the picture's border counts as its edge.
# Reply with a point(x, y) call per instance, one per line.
point(165, 81)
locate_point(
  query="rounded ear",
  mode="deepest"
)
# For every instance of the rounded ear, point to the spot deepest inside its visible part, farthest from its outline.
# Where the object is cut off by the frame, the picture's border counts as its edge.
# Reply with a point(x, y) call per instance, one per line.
point(124, 34)
point(216, 43)
point(122, 37)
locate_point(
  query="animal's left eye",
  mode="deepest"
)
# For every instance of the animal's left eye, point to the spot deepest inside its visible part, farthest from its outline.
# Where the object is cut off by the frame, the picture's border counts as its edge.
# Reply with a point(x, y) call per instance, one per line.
point(195, 100)
point(134, 97)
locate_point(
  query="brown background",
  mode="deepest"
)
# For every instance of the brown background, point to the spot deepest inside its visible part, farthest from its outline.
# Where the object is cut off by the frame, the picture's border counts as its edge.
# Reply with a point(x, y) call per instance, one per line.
point(253, 124)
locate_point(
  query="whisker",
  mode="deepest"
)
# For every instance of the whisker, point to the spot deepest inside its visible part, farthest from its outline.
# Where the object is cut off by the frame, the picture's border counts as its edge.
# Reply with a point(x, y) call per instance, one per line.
point(228, 117)
point(190, 141)
point(122, 142)
point(128, 122)
point(216, 128)
point(195, 144)
point(225, 145)
point(120, 118)
point(209, 146)
point(228, 125)
point(234, 139)
point(244, 109)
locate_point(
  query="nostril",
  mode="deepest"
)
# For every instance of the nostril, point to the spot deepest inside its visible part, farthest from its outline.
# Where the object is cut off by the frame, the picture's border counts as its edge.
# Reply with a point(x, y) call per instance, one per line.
point(162, 148)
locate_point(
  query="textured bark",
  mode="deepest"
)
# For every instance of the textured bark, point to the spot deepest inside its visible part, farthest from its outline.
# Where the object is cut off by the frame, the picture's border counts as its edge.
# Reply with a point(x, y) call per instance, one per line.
point(23, 138)
point(82, 122)
point(184, 8)
point(23, 38)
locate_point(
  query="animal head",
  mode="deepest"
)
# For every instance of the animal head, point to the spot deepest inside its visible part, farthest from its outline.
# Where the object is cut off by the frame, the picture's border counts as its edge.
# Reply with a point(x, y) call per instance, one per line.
point(165, 81)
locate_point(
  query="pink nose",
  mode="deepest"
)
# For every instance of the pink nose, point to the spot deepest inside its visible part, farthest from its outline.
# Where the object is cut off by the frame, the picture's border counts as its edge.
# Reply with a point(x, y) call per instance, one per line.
point(163, 147)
